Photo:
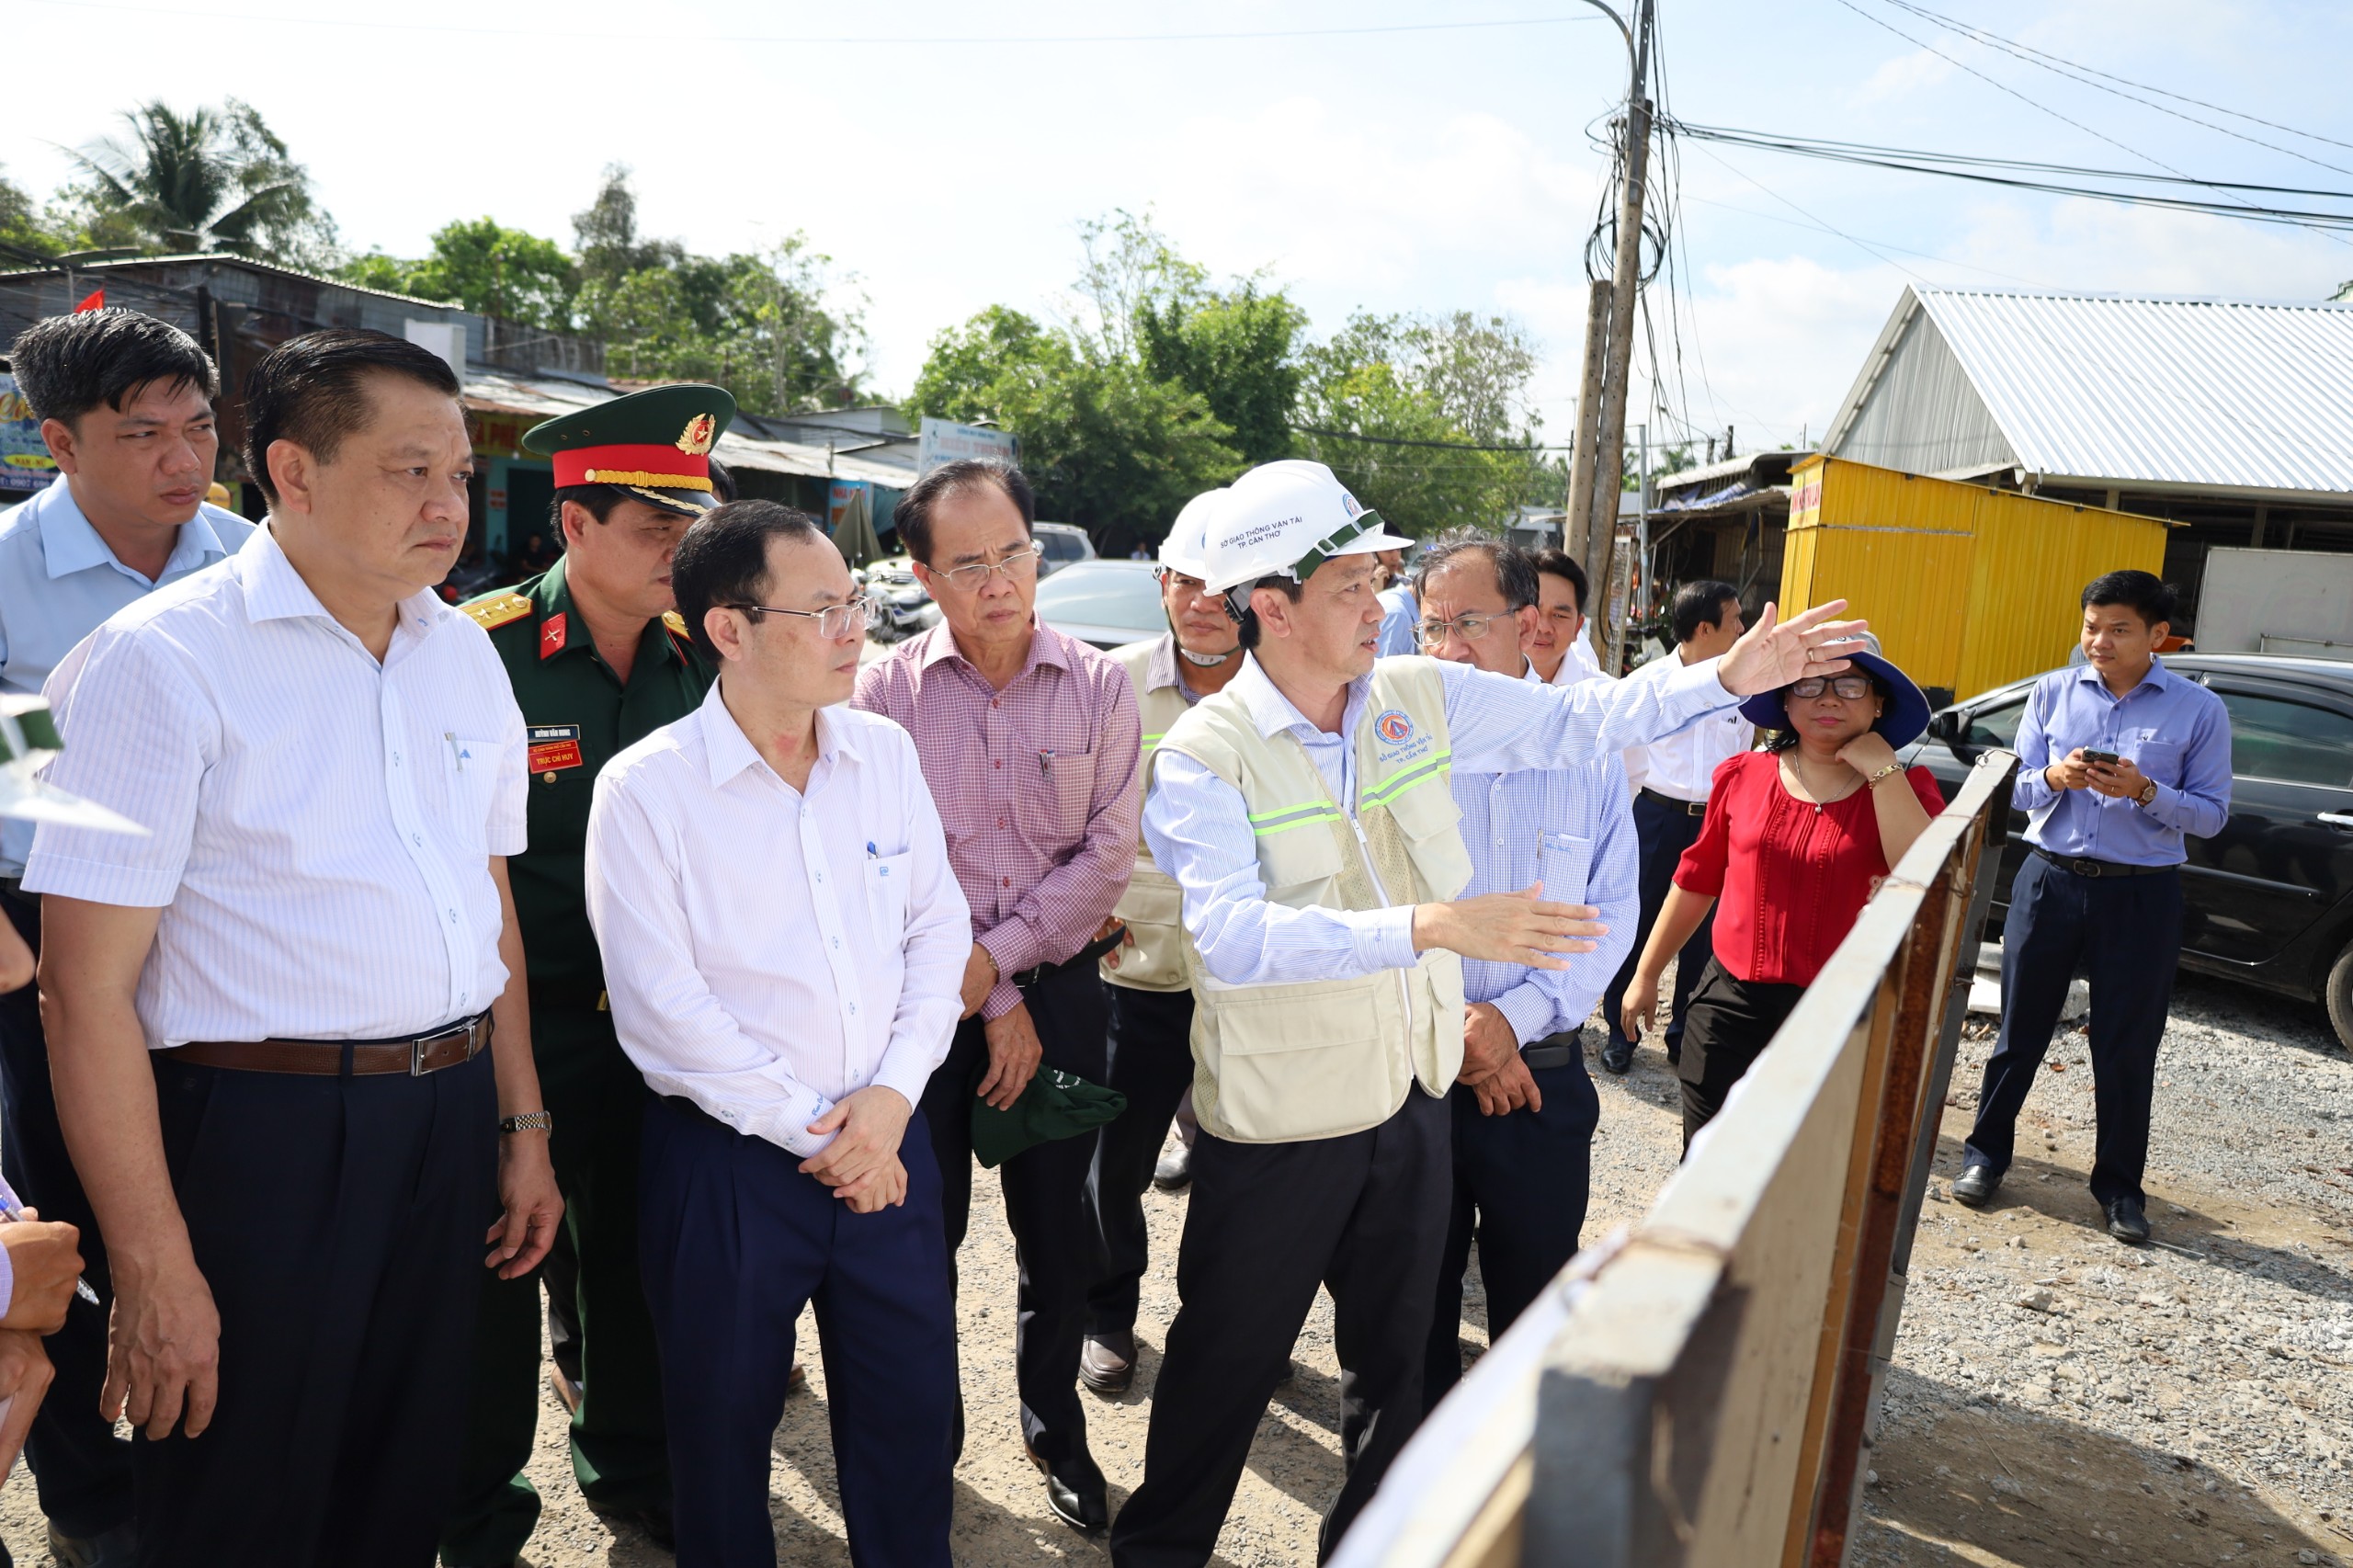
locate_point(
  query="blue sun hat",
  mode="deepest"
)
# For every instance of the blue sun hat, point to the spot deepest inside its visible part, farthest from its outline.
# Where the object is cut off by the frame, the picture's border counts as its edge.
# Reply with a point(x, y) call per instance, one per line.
point(1903, 720)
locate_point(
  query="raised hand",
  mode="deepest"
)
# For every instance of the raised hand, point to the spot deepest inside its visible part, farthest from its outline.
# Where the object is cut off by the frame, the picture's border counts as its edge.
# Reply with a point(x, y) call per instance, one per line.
point(1774, 652)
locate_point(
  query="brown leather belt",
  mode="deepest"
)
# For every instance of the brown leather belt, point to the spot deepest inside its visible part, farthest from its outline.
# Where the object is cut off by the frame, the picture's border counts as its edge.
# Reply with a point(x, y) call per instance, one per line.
point(452, 1047)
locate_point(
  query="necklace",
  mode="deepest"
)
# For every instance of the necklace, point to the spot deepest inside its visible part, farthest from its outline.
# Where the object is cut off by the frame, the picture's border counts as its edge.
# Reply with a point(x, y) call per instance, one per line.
point(1820, 797)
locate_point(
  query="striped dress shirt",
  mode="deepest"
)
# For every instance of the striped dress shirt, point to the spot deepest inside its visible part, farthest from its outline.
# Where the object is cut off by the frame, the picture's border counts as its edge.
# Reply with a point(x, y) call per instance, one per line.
point(320, 825)
point(1199, 831)
point(770, 951)
point(59, 580)
point(1572, 829)
point(1035, 784)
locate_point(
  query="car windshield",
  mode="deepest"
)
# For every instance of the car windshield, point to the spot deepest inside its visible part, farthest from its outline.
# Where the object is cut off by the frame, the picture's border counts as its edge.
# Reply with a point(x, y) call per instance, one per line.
point(1102, 595)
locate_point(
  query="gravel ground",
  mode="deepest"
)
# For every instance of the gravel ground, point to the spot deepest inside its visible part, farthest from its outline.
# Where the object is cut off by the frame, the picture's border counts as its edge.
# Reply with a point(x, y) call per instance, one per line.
point(2057, 1399)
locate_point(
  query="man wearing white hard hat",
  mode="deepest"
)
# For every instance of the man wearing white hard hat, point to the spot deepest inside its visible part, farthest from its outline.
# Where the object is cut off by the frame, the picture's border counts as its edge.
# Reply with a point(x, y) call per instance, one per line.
point(1303, 813)
point(1150, 996)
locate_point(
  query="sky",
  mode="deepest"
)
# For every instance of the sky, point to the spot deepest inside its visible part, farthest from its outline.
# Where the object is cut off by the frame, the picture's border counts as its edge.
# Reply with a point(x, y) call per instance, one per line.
point(1383, 156)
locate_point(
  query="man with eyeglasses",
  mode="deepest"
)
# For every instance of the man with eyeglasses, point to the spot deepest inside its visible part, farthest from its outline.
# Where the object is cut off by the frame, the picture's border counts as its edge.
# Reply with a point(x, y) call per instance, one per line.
point(1029, 742)
point(598, 659)
point(1149, 995)
point(784, 943)
point(1671, 778)
point(1523, 1107)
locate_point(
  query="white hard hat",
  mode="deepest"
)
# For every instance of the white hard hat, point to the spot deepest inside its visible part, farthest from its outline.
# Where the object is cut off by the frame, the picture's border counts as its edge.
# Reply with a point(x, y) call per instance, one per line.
point(1189, 535)
point(1287, 518)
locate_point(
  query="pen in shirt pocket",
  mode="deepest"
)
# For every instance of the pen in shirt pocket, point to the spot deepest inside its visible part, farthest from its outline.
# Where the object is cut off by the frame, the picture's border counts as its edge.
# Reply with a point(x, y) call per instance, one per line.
point(1046, 762)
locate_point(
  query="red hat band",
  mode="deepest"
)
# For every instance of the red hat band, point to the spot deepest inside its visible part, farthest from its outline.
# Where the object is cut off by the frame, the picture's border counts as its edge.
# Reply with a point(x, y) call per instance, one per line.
point(664, 467)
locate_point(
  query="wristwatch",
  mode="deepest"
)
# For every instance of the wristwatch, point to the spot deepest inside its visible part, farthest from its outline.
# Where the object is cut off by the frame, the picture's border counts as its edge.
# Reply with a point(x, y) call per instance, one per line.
point(2148, 793)
point(531, 1122)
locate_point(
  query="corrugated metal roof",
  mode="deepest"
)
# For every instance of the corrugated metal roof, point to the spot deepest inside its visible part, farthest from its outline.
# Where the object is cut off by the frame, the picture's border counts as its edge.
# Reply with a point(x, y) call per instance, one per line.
point(2204, 392)
point(549, 398)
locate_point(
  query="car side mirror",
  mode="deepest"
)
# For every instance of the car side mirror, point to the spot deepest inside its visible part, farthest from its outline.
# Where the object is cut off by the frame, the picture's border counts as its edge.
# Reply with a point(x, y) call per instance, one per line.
point(1949, 725)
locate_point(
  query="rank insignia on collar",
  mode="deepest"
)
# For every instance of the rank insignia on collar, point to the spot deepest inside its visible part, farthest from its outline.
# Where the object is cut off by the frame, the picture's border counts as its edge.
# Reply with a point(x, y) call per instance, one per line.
point(553, 632)
point(697, 437)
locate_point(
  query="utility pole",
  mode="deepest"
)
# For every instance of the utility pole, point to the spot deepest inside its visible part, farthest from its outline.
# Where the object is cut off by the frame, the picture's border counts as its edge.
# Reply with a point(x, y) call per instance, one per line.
point(1576, 526)
point(1609, 434)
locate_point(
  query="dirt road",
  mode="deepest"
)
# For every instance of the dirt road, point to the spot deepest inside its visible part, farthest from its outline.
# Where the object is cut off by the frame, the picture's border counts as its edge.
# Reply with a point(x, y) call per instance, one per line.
point(2057, 1400)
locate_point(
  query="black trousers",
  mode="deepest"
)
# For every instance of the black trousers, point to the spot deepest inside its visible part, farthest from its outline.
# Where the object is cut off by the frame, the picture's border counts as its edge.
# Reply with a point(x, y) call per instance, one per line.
point(1363, 1215)
point(81, 1469)
point(1663, 834)
point(2127, 932)
point(339, 1223)
point(1151, 1051)
point(1522, 1182)
point(1731, 1023)
point(1044, 1203)
point(735, 1241)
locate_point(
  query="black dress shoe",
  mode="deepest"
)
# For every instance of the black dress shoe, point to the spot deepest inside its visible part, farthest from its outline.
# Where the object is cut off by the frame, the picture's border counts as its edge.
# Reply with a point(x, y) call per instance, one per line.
point(2128, 1222)
point(1107, 1361)
point(1618, 1055)
point(1075, 1490)
point(1975, 1183)
point(1174, 1172)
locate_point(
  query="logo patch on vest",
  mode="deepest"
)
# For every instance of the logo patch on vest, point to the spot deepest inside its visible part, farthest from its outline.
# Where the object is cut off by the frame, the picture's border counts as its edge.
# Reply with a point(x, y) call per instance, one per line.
point(1400, 741)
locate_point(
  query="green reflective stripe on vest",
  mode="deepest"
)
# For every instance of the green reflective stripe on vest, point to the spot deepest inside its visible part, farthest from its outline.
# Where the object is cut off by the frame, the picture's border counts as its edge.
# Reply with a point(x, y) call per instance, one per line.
point(1282, 819)
point(1420, 773)
point(1152, 740)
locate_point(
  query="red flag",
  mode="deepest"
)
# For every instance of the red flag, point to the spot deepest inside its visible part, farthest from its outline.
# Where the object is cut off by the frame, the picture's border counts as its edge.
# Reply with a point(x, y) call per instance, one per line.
point(97, 301)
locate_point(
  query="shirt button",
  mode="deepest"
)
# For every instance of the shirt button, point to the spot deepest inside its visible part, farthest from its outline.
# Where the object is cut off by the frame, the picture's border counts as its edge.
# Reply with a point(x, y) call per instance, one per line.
point(997, 763)
point(417, 838)
point(1000, 822)
point(453, 917)
point(993, 702)
point(1008, 882)
point(853, 1007)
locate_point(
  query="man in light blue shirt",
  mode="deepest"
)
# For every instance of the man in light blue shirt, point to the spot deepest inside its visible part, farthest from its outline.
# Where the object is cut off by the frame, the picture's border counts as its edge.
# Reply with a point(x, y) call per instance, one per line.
point(125, 402)
point(1400, 610)
point(2118, 761)
point(1524, 1108)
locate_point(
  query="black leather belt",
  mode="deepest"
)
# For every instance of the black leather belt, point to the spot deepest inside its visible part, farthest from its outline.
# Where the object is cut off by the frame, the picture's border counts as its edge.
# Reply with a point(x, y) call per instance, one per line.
point(1555, 1049)
point(2085, 866)
point(1026, 978)
point(1689, 808)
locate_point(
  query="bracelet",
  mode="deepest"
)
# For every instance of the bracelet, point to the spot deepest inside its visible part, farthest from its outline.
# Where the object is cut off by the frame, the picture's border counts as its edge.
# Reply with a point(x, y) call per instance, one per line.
point(1871, 782)
point(529, 1121)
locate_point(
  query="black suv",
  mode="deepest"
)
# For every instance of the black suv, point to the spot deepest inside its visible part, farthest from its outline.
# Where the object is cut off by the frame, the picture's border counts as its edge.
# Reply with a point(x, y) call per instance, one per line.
point(2269, 899)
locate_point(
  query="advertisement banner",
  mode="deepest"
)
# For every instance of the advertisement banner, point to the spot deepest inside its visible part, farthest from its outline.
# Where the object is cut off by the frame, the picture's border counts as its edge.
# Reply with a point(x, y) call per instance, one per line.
point(941, 442)
point(25, 462)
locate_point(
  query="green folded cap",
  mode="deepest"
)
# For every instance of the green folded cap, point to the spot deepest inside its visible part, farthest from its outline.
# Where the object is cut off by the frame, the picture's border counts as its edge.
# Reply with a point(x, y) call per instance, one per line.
point(1055, 1105)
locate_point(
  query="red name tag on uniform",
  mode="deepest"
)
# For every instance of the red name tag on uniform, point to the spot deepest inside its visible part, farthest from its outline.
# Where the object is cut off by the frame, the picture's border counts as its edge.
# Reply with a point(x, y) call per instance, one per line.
point(554, 747)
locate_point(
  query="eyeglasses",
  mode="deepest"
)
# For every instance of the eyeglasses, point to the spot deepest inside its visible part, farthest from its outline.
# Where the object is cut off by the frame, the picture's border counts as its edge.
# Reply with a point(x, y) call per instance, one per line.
point(972, 578)
point(834, 622)
point(1469, 628)
point(1854, 689)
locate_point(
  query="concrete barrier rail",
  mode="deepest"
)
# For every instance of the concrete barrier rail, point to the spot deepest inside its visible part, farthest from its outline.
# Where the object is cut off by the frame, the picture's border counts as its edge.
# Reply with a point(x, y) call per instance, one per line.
point(1700, 1388)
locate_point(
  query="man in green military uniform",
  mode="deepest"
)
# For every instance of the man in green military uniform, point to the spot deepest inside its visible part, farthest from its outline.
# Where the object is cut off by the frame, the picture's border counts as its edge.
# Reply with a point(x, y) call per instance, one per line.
point(598, 659)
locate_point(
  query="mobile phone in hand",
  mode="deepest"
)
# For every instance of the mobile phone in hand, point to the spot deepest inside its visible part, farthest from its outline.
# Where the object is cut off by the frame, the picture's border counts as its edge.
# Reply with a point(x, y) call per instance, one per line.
point(2107, 757)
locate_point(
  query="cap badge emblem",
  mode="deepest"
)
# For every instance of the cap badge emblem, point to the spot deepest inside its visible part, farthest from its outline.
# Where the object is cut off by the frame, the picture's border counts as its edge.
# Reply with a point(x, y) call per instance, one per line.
point(695, 438)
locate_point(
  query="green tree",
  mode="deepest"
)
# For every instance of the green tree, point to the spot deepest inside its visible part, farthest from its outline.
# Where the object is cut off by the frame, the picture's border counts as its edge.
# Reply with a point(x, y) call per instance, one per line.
point(1426, 419)
point(211, 179)
point(1108, 447)
point(1236, 347)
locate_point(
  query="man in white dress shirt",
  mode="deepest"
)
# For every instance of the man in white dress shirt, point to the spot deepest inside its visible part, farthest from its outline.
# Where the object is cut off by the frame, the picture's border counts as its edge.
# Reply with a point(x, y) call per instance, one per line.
point(270, 1020)
point(1557, 649)
point(1671, 778)
point(785, 945)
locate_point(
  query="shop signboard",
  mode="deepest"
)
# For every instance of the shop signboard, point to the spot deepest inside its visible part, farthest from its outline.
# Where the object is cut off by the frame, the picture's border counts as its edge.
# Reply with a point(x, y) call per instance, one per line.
point(941, 442)
point(25, 462)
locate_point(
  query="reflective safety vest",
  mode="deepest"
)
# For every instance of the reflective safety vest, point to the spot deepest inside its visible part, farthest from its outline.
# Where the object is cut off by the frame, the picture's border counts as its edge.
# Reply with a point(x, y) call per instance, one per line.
point(1153, 905)
point(1320, 1059)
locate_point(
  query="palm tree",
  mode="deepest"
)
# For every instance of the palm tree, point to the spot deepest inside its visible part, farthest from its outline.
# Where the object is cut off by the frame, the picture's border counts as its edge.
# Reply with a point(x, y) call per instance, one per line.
point(212, 179)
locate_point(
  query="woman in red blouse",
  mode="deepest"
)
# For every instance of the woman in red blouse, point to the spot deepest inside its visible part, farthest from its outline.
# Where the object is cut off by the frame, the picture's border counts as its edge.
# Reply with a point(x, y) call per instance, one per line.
point(1797, 837)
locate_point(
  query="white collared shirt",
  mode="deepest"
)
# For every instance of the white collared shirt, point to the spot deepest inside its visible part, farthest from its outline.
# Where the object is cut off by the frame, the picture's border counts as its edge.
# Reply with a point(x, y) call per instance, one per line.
point(1684, 764)
point(59, 580)
point(770, 950)
point(319, 825)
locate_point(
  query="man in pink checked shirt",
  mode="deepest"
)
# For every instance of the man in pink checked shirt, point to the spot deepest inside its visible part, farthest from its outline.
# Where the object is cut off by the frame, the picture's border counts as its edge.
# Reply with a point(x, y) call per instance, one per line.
point(1029, 741)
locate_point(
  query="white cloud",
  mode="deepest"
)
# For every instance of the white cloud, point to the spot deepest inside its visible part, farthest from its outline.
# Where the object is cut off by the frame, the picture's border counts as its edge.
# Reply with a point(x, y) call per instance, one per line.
point(1899, 79)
